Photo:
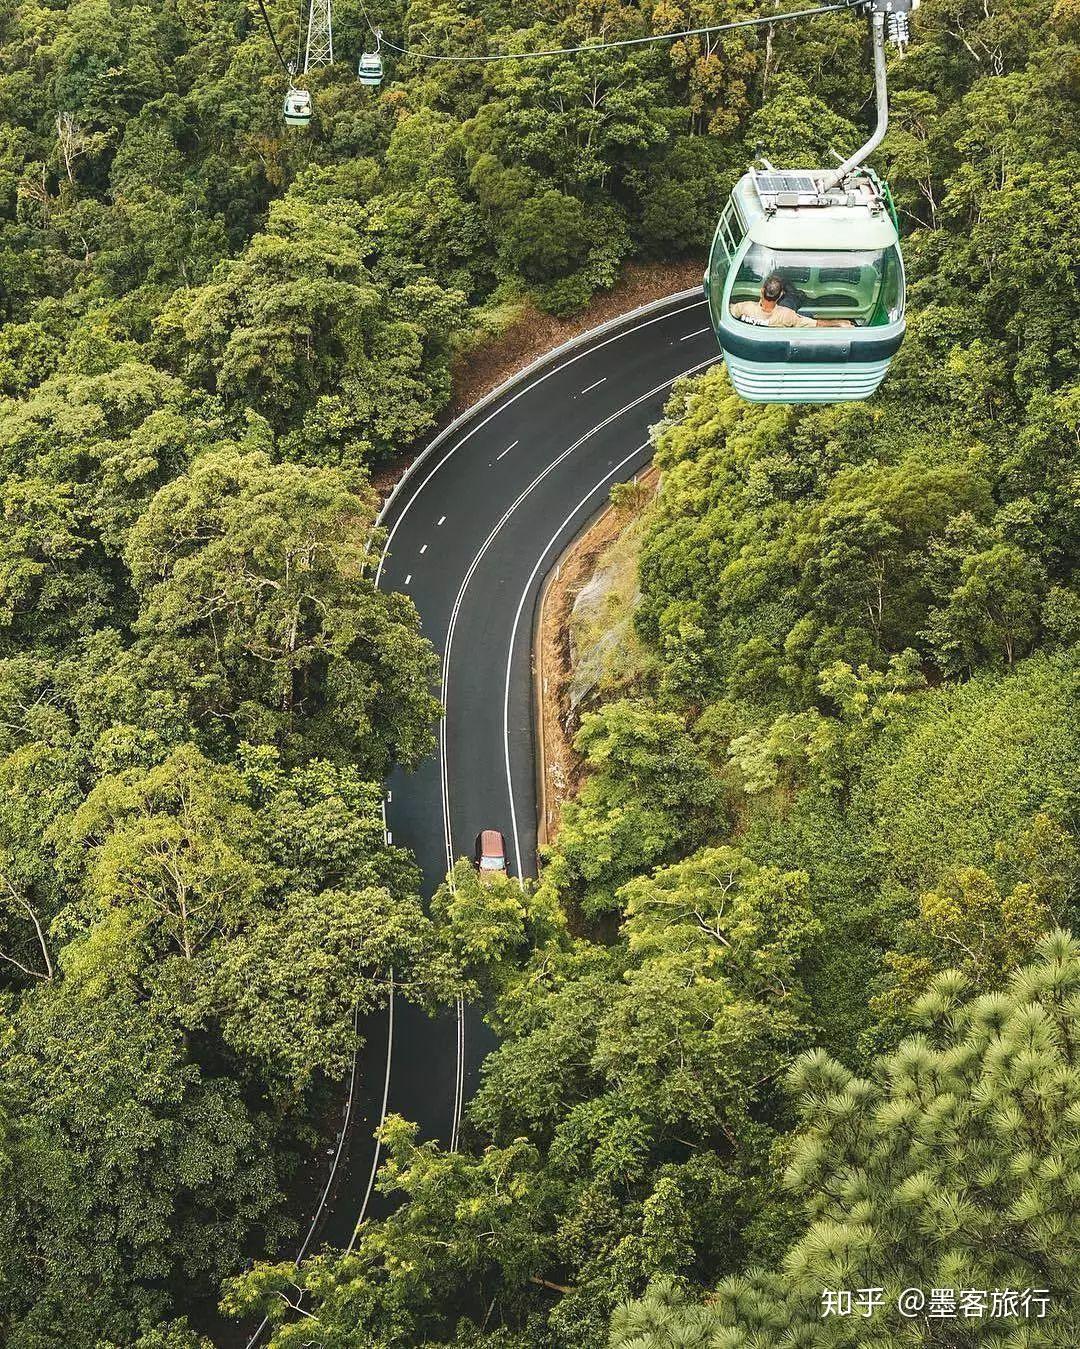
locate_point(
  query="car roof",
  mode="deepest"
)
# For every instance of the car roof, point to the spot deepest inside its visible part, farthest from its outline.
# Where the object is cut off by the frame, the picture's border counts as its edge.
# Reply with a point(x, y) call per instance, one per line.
point(491, 838)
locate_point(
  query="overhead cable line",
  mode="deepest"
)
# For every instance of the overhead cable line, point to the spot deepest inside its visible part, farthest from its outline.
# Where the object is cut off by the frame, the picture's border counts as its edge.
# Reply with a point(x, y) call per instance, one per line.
point(300, 36)
point(759, 22)
point(273, 37)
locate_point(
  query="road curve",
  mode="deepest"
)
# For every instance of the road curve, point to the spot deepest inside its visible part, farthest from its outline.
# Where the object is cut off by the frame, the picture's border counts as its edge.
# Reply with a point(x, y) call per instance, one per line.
point(471, 534)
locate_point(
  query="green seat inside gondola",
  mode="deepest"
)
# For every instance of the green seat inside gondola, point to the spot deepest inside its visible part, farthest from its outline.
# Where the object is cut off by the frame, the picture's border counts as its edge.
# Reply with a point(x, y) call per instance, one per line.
point(863, 286)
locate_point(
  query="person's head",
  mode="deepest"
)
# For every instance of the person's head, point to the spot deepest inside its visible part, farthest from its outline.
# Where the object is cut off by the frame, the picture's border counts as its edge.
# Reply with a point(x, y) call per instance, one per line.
point(771, 290)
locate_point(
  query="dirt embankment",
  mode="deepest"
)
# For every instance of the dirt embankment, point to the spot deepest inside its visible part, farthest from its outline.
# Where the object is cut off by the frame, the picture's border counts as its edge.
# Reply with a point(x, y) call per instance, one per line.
point(572, 651)
point(533, 333)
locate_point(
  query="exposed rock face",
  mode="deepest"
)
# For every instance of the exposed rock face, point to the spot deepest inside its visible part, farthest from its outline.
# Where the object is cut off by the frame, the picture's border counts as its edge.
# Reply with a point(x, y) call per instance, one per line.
point(601, 628)
point(586, 647)
point(605, 655)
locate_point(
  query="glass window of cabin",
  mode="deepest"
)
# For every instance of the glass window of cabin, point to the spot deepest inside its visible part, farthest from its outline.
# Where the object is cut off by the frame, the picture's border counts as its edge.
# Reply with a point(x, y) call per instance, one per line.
point(891, 297)
point(725, 244)
point(864, 285)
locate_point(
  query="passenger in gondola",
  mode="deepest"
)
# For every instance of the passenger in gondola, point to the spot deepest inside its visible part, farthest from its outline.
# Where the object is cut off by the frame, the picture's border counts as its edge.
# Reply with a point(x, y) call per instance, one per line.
point(791, 297)
point(769, 312)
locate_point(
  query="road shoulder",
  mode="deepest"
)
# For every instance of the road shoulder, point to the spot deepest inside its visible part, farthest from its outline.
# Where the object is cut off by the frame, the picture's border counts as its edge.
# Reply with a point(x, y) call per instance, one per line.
point(558, 766)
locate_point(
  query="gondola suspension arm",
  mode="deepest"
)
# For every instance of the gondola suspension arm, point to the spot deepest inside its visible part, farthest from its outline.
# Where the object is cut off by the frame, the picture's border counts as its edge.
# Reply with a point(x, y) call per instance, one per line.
point(890, 16)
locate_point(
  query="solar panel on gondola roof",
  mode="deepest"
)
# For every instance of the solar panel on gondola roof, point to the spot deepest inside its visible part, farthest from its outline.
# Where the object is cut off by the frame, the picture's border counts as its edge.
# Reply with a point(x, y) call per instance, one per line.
point(785, 182)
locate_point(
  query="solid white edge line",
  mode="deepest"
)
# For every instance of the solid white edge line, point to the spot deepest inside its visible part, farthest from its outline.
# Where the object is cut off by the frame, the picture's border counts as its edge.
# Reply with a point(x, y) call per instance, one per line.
point(521, 604)
point(382, 1114)
point(445, 671)
point(459, 1077)
point(341, 1140)
point(513, 637)
point(456, 609)
point(426, 453)
point(257, 1334)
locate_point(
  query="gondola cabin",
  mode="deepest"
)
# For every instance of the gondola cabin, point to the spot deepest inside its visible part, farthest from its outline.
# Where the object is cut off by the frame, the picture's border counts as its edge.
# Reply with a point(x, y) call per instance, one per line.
point(297, 110)
point(370, 70)
point(837, 252)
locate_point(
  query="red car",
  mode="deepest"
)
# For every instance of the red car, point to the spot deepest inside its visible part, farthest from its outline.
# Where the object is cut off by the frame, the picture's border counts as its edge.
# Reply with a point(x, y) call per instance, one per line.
point(491, 853)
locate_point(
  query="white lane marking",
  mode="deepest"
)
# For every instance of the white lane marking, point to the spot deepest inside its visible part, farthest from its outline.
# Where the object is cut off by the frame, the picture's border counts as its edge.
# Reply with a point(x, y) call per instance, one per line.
point(588, 387)
point(341, 1143)
point(382, 1116)
point(459, 1076)
point(423, 549)
point(697, 334)
point(506, 451)
point(513, 635)
point(389, 839)
point(616, 337)
point(614, 416)
point(408, 578)
point(673, 313)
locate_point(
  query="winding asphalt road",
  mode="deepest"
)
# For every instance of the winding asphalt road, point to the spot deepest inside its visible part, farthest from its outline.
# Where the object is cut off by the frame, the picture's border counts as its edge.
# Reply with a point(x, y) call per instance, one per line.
point(471, 534)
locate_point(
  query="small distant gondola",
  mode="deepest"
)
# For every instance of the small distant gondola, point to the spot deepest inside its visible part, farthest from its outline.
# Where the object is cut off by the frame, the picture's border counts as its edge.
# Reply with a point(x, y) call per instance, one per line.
point(298, 108)
point(370, 70)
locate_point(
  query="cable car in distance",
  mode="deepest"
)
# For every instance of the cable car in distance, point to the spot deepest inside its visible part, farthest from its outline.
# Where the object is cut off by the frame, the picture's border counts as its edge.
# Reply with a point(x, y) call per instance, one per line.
point(370, 70)
point(837, 252)
point(298, 109)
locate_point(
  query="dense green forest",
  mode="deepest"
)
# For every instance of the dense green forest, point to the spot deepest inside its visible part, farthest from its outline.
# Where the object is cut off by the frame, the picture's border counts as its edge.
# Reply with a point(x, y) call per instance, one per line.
point(793, 1005)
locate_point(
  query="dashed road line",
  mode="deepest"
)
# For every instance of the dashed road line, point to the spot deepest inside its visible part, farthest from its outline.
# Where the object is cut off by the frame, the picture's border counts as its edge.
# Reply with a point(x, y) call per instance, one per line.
point(501, 407)
point(456, 609)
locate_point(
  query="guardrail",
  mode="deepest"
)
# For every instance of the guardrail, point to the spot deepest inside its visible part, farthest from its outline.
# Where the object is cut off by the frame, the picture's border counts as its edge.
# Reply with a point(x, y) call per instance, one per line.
point(519, 376)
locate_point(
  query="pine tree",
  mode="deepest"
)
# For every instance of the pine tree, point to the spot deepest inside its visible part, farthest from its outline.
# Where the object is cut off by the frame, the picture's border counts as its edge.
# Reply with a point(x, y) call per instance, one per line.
point(955, 1165)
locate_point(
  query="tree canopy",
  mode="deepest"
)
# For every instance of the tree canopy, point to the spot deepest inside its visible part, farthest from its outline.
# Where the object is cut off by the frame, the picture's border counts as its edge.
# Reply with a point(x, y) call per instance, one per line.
point(830, 817)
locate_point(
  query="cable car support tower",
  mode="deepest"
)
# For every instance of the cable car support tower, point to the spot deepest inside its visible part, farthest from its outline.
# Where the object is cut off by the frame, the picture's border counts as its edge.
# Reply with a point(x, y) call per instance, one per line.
point(320, 35)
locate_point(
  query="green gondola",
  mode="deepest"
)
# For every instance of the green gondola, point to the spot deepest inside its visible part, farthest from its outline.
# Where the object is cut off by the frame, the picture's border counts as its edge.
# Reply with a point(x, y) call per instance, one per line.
point(298, 109)
point(838, 255)
point(829, 238)
point(370, 70)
